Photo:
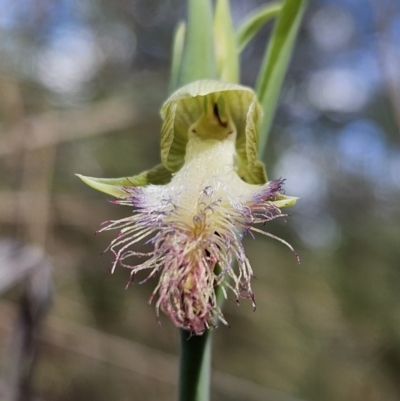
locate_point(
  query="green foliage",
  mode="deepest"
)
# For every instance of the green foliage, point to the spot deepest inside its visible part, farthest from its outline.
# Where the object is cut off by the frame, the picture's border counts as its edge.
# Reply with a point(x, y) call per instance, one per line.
point(254, 22)
point(276, 60)
point(199, 54)
point(177, 53)
point(225, 44)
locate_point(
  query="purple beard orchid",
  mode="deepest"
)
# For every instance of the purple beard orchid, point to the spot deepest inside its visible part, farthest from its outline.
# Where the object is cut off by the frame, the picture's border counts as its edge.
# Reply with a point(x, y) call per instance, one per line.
point(195, 208)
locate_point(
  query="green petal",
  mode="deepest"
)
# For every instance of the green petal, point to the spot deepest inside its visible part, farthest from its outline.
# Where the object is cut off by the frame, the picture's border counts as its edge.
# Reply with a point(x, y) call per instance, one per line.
point(254, 175)
point(116, 186)
point(185, 107)
point(285, 201)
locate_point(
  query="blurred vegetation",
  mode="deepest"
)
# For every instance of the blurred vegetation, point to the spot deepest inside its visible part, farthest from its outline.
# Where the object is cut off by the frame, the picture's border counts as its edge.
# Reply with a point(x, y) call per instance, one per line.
point(81, 84)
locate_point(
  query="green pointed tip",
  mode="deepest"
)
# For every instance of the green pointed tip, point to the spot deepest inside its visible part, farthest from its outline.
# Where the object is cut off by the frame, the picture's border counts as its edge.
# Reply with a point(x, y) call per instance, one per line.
point(158, 175)
point(285, 201)
point(106, 185)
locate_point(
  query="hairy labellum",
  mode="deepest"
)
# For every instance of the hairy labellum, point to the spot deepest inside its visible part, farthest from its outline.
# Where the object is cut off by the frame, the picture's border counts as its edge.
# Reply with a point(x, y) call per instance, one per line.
point(194, 208)
point(195, 224)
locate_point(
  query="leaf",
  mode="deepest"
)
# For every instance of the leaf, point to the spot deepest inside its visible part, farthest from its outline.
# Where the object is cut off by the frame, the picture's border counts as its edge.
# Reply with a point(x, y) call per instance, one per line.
point(276, 60)
point(177, 52)
point(225, 43)
point(255, 22)
point(199, 57)
point(116, 186)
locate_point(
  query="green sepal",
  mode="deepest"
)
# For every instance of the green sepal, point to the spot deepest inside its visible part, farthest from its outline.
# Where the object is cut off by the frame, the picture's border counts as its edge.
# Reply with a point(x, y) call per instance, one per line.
point(186, 105)
point(255, 22)
point(285, 201)
point(158, 175)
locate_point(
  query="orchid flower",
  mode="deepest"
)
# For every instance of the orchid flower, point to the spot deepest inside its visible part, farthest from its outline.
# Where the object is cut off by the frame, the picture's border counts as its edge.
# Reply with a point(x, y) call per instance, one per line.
point(196, 207)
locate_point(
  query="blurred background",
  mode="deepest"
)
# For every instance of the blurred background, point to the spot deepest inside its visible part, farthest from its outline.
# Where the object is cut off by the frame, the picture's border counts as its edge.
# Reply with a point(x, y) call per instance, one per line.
point(81, 85)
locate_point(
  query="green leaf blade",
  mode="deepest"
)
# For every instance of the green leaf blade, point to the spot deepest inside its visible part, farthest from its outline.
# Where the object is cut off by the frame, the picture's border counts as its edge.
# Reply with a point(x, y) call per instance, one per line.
point(255, 22)
point(225, 43)
point(177, 54)
point(276, 61)
point(199, 54)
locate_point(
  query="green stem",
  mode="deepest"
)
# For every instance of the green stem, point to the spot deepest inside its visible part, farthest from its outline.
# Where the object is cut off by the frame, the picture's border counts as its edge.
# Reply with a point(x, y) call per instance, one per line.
point(195, 366)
